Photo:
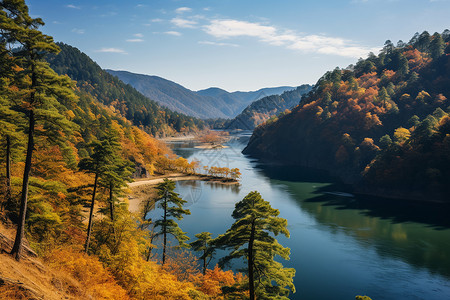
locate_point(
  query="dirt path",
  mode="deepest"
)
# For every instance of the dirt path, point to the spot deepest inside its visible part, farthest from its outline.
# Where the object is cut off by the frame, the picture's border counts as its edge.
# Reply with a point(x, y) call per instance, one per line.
point(143, 189)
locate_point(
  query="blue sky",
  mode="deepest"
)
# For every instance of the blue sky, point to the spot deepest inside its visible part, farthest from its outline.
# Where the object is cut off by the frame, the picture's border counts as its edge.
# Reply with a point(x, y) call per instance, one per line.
point(235, 44)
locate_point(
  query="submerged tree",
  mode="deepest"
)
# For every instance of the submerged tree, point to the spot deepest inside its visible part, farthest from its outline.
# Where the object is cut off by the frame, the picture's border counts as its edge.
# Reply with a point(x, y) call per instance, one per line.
point(40, 87)
point(167, 225)
point(250, 238)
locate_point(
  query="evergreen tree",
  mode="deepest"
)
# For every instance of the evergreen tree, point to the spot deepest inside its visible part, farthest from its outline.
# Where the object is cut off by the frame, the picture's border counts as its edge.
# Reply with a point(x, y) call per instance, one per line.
point(167, 225)
point(114, 179)
point(203, 245)
point(40, 87)
point(99, 163)
point(250, 238)
point(436, 46)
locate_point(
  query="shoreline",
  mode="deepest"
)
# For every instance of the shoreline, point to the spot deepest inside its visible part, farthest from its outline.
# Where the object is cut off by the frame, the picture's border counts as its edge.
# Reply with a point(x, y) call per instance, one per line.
point(143, 188)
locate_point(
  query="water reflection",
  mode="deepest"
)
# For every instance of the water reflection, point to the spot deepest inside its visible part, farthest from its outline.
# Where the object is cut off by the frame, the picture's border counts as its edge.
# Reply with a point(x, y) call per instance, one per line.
point(391, 227)
point(341, 245)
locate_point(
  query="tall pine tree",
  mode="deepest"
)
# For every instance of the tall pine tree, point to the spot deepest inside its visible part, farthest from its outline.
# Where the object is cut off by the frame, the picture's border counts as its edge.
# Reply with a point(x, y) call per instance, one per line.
point(250, 238)
point(40, 87)
point(203, 245)
point(100, 163)
point(172, 206)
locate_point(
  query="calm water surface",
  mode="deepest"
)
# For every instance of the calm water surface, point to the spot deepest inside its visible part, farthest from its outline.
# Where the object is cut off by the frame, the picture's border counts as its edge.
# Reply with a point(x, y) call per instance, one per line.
point(341, 245)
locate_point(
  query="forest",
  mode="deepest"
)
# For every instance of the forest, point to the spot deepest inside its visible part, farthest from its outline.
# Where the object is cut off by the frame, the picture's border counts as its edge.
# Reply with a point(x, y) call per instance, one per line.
point(381, 125)
point(68, 150)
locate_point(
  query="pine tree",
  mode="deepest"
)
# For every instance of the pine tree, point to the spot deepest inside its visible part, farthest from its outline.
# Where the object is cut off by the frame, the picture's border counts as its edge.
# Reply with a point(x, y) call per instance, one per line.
point(437, 46)
point(10, 119)
point(203, 245)
point(114, 179)
point(167, 225)
point(99, 163)
point(40, 87)
point(250, 238)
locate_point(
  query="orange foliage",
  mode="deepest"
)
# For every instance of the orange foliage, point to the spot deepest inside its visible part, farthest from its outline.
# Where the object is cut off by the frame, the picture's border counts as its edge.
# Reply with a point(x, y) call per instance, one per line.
point(368, 80)
point(416, 59)
point(212, 282)
point(89, 271)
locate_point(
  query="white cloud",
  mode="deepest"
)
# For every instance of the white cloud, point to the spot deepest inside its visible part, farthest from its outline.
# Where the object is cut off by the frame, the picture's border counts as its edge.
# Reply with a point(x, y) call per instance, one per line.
point(111, 50)
point(78, 31)
point(73, 6)
point(224, 29)
point(138, 35)
point(183, 23)
point(182, 10)
point(175, 33)
point(235, 28)
point(217, 44)
point(135, 40)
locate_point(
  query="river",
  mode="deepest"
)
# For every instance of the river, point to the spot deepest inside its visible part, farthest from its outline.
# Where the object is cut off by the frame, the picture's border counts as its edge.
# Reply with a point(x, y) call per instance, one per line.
point(341, 245)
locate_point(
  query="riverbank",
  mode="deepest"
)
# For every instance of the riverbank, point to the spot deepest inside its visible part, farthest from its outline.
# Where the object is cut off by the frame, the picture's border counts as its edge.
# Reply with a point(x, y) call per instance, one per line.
point(143, 189)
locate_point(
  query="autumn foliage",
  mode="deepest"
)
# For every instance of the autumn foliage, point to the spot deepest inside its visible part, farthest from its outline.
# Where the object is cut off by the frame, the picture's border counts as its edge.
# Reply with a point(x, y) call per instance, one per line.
point(380, 124)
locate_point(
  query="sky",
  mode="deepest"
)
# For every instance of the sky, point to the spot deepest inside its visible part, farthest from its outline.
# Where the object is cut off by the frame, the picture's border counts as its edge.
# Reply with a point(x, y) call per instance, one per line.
point(235, 44)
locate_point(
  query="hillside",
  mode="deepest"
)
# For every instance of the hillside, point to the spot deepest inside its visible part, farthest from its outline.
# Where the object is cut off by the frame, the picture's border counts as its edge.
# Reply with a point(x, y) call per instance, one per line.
point(263, 109)
point(118, 96)
point(381, 125)
point(172, 95)
point(237, 101)
point(68, 152)
point(209, 103)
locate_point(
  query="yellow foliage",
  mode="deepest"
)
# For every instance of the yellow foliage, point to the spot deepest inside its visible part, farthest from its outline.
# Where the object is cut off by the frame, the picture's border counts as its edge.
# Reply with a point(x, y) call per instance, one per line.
point(401, 135)
point(89, 271)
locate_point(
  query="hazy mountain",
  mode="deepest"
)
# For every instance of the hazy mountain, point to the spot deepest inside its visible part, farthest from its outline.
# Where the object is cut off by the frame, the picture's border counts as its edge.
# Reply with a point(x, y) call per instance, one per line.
point(209, 103)
point(118, 96)
point(237, 101)
point(172, 95)
point(268, 107)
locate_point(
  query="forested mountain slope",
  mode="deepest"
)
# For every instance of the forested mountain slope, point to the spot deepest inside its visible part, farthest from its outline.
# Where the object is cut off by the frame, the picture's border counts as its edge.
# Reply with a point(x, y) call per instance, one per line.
point(237, 101)
point(118, 96)
point(268, 107)
point(67, 153)
point(382, 125)
point(173, 95)
point(209, 103)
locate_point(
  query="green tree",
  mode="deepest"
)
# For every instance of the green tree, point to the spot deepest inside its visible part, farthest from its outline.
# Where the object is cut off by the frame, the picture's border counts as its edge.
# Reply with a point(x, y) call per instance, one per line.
point(383, 96)
point(99, 163)
point(114, 179)
point(167, 225)
point(203, 245)
point(436, 46)
point(40, 87)
point(250, 237)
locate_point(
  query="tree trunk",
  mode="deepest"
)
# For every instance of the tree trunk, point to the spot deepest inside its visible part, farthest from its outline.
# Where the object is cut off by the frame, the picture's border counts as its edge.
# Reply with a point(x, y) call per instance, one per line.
point(111, 208)
point(17, 247)
point(204, 261)
point(91, 213)
point(8, 170)
point(251, 280)
point(164, 231)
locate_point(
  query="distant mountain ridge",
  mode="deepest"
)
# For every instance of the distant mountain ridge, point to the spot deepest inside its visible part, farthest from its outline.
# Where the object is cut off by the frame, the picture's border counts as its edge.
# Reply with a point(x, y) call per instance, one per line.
point(209, 103)
point(268, 107)
point(118, 96)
